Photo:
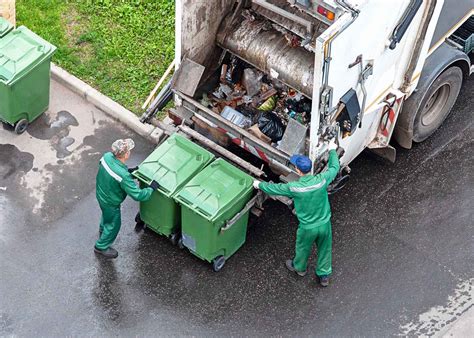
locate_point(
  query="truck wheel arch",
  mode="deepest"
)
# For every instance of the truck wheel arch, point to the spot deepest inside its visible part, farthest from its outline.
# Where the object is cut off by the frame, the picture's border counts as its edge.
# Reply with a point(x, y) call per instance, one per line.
point(439, 61)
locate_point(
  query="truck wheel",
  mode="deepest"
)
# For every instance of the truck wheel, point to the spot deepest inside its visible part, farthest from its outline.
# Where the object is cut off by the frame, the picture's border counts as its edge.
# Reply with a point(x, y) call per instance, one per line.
point(218, 263)
point(21, 126)
point(437, 103)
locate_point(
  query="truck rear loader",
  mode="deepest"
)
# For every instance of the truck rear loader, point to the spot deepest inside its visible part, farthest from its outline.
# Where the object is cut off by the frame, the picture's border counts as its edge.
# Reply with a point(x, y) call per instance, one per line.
point(277, 77)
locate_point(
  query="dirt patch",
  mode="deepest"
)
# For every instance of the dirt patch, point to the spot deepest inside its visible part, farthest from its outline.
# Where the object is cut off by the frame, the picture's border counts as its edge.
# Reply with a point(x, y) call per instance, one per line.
point(77, 35)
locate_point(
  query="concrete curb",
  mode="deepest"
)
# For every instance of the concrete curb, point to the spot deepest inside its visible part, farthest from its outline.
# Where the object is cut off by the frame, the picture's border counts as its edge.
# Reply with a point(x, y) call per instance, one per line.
point(106, 104)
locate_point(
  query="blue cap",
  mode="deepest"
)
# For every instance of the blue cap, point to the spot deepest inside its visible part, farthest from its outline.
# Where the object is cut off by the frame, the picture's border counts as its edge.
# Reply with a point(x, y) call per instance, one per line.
point(301, 162)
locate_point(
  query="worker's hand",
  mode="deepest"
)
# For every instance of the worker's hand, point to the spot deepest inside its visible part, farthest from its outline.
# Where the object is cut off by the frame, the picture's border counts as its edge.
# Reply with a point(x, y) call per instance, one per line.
point(332, 145)
point(154, 185)
point(256, 183)
point(340, 152)
point(131, 170)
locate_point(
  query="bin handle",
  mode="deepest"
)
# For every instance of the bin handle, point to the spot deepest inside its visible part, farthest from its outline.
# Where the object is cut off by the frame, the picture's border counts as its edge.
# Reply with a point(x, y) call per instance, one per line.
point(242, 212)
point(142, 178)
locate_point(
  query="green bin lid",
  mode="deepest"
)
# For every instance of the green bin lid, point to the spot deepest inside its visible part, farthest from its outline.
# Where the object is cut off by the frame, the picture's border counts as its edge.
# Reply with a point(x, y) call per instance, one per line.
point(5, 27)
point(173, 164)
point(215, 189)
point(20, 51)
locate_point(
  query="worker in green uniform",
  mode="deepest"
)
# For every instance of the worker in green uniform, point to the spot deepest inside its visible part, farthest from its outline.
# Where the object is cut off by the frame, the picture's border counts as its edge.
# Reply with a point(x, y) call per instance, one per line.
point(313, 211)
point(114, 182)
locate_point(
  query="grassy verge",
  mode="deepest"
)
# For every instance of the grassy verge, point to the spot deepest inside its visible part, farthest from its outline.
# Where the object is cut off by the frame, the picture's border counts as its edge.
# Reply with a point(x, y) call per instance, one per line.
point(119, 47)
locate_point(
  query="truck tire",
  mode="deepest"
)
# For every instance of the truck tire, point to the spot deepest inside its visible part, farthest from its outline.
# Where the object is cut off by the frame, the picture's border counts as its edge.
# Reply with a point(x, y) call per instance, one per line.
point(436, 103)
point(442, 65)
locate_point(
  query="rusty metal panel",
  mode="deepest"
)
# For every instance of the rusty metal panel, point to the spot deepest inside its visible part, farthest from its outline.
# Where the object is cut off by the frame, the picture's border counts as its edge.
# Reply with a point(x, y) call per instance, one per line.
point(266, 48)
point(200, 22)
point(187, 77)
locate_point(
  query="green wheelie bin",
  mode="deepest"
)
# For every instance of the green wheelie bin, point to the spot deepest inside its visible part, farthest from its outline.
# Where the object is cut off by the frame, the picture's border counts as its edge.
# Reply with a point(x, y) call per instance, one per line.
point(25, 61)
point(214, 197)
point(5, 27)
point(172, 165)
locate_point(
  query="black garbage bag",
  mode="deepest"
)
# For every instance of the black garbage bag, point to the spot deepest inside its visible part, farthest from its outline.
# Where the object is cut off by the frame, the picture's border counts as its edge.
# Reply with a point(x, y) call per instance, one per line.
point(270, 124)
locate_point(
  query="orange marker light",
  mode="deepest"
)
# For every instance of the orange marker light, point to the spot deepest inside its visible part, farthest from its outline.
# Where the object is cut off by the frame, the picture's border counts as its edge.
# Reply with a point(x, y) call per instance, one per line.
point(325, 12)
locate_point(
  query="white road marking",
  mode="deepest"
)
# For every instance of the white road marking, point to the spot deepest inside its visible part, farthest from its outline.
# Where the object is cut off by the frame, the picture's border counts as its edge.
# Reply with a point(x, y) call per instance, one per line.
point(438, 317)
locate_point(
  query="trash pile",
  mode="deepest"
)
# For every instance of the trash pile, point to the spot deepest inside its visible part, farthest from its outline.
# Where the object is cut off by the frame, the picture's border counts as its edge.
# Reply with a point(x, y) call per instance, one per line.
point(256, 102)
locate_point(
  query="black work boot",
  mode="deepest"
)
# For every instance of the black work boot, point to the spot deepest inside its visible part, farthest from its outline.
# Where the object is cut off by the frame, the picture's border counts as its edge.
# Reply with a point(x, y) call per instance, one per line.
point(107, 253)
point(289, 266)
point(324, 280)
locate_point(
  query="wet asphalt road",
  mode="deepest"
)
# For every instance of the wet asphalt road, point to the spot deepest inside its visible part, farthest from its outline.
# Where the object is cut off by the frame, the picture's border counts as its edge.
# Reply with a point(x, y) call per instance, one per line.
point(403, 246)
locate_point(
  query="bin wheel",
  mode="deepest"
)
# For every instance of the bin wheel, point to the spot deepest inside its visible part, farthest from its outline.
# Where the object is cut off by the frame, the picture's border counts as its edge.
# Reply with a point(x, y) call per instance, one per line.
point(174, 238)
point(180, 243)
point(21, 126)
point(218, 263)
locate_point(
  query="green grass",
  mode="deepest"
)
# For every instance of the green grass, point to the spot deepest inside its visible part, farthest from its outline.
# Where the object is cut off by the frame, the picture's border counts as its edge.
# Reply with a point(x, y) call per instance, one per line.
point(120, 47)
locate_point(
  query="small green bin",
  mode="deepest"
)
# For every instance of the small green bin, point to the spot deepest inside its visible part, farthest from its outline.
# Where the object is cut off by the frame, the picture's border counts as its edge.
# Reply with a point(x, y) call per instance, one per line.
point(209, 200)
point(25, 61)
point(5, 27)
point(172, 165)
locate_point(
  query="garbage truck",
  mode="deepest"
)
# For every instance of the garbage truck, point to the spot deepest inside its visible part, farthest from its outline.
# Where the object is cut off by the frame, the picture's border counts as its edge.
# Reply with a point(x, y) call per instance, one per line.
point(260, 80)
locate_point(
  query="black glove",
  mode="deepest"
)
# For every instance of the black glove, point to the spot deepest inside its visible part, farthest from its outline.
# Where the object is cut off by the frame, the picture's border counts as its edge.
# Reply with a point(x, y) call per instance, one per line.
point(131, 170)
point(340, 152)
point(154, 185)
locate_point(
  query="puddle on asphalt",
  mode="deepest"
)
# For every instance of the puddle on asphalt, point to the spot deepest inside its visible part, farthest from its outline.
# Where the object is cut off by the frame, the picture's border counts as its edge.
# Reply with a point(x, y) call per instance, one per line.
point(56, 131)
point(61, 145)
point(7, 126)
point(13, 161)
point(44, 129)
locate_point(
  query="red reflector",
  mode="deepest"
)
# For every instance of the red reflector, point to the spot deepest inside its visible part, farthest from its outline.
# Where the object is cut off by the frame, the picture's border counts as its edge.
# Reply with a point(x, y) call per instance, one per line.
point(326, 12)
point(322, 10)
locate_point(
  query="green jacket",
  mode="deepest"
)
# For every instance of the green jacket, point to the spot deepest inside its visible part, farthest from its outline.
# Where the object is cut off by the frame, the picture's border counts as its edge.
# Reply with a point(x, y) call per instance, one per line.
point(309, 194)
point(114, 183)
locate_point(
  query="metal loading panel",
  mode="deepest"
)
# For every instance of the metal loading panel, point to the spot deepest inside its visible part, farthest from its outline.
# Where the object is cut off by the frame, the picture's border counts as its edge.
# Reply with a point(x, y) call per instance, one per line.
point(215, 190)
point(173, 164)
point(20, 51)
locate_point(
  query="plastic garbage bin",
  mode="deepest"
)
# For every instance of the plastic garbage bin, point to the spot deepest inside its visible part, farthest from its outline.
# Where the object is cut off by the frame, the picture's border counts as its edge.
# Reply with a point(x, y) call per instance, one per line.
point(209, 201)
point(5, 27)
point(25, 61)
point(172, 165)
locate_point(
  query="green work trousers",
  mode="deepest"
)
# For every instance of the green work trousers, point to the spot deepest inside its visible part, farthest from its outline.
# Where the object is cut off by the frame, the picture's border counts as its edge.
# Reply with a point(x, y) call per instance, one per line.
point(109, 225)
point(305, 238)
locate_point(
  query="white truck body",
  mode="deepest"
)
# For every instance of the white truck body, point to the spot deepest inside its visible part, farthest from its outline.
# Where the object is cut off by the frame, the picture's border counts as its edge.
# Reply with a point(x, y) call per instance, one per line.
point(361, 31)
